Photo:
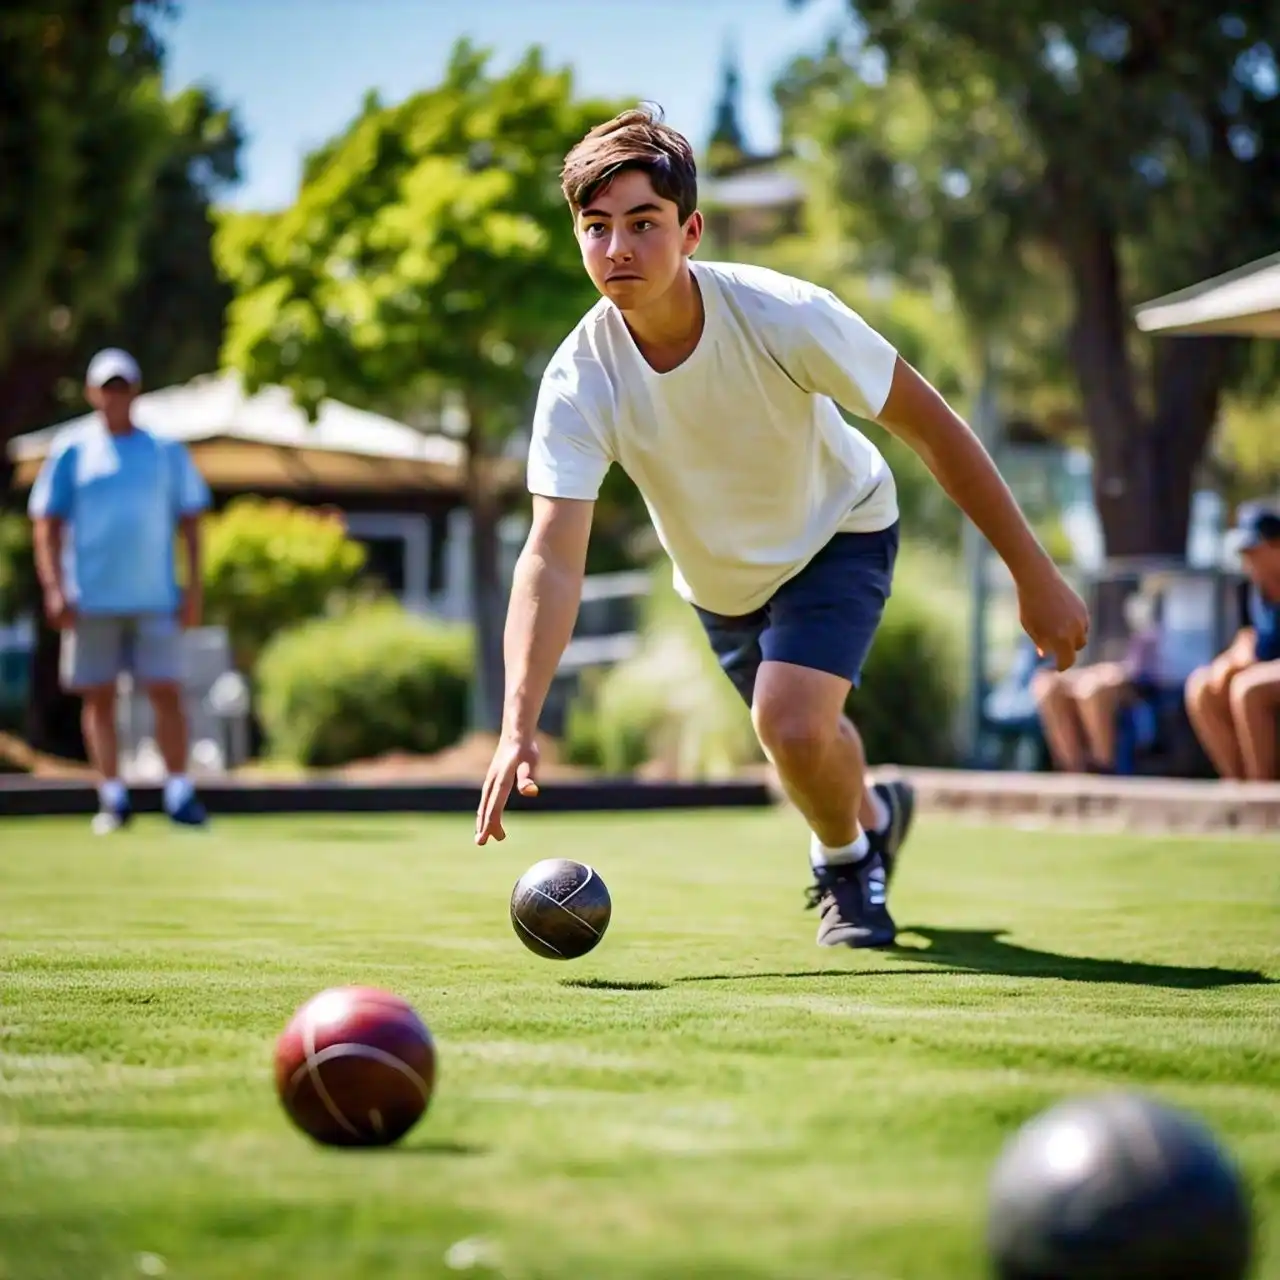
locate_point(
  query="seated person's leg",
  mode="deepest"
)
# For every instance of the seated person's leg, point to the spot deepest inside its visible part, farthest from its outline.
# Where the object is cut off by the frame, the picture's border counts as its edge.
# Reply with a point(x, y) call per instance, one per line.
point(1209, 710)
point(1062, 729)
point(1255, 711)
point(1098, 693)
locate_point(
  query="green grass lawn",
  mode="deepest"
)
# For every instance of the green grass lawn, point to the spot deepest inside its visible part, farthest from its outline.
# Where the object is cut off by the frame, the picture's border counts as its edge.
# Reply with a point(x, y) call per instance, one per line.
point(708, 1094)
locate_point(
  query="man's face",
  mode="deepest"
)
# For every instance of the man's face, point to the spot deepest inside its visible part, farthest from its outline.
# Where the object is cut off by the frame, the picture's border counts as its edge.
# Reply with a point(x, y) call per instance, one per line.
point(1262, 564)
point(633, 244)
point(113, 400)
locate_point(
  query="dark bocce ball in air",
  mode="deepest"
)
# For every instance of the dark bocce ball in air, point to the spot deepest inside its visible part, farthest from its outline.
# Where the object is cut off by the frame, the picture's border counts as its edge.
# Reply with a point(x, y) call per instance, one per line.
point(560, 909)
point(1117, 1187)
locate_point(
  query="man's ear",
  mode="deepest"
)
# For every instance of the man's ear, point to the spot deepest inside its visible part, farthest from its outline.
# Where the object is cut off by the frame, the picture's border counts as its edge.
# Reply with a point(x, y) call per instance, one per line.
point(693, 232)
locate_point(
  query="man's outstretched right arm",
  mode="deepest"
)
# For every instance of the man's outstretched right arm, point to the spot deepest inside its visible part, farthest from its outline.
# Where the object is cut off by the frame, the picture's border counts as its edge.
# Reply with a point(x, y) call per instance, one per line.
point(545, 593)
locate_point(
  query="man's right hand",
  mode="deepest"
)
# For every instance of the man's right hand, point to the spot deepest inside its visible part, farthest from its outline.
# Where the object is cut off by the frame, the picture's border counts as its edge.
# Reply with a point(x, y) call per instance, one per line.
point(60, 614)
point(515, 764)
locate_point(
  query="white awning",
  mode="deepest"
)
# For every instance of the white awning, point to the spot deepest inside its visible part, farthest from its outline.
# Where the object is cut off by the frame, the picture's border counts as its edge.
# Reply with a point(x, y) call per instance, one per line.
point(1244, 302)
point(264, 441)
point(216, 406)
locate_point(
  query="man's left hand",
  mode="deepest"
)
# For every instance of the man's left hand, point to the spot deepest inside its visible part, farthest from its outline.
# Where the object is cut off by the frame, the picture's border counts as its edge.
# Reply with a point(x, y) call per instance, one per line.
point(1054, 616)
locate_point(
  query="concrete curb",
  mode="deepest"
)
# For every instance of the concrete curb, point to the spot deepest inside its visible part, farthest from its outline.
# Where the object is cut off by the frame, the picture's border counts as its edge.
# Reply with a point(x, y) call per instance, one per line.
point(39, 797)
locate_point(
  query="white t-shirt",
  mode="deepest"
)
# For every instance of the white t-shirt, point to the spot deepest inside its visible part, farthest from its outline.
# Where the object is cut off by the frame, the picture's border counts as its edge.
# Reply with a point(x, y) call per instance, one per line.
point(743, 459)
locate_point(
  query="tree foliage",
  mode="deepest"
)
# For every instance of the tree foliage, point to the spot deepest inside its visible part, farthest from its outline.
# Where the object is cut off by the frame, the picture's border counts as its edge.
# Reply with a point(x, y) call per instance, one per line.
point(171, 314)
point(1063, 163)
point(19, 586)
point(105, 235)
point(429, 246)
point(82, 134)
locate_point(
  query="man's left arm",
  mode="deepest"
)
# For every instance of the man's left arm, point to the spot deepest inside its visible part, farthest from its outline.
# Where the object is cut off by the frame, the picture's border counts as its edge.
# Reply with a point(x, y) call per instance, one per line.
point(193, 593)
point(193, 500)
point(832, 351)
point(918, 415)
point(1052, 613)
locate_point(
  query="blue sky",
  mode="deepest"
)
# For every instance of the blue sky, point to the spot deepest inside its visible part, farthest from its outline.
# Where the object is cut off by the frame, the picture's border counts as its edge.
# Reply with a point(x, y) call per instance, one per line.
point(296, 70)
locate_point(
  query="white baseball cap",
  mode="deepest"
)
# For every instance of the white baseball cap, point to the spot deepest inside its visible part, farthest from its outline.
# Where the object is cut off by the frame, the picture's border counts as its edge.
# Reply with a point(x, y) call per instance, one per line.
point(113, 363)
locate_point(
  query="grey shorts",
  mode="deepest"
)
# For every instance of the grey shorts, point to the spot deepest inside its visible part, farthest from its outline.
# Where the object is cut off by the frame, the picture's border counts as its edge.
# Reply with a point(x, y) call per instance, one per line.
point(98, 648)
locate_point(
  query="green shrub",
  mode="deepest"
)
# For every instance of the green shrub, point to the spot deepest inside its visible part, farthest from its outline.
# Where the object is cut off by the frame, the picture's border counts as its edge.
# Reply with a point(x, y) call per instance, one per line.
point(269, 565)
point(906, 706)
point(372, 680)
point(19, 586)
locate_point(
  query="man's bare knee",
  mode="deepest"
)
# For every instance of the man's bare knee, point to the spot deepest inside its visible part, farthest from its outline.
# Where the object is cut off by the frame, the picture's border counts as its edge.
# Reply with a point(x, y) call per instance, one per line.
point(98, 698)
point(1047, 687)
point(166, 697)
point(1253, 691)
point(1199, 693)
point(795, 738)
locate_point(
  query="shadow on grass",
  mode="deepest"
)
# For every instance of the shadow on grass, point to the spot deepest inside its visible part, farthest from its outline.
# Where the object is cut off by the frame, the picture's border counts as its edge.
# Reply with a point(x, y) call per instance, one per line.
point(870, 975)
point(986, 951)
point(432, 1147)
point(611, 984)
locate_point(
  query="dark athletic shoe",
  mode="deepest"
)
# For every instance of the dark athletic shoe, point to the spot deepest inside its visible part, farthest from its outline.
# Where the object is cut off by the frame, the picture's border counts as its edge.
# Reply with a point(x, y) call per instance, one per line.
point(190, 813)
point(899, 797)
point(850, 898)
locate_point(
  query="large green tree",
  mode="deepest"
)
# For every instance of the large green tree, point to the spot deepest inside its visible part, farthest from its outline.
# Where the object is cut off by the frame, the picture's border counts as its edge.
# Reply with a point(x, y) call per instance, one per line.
point(429, 247)
point(106, 229)
point(82, 134)
point(1062, 163)
point(172, 313)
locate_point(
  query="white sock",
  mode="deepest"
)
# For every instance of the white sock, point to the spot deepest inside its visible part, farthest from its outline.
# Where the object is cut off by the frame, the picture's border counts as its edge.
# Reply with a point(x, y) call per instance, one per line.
point(177, 789)
point(882, 810)
point(821, 855)
point(113, 794)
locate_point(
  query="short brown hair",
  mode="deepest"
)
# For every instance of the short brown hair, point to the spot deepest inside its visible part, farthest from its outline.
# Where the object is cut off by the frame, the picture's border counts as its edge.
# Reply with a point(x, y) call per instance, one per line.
point(636, 139)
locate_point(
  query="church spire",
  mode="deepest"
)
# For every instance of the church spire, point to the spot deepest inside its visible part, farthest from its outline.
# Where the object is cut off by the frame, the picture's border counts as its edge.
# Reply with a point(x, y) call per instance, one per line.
point(728, 142)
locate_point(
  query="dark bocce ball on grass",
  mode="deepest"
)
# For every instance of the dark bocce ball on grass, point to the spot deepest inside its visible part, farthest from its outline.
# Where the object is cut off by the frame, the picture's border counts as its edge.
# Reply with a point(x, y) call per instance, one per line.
point(560, 909)
point(1117, 1187)
point(355, 1067)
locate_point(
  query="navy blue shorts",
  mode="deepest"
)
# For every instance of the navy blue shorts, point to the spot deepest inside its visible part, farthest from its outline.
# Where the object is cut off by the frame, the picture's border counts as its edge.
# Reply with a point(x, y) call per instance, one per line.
point(824, 618)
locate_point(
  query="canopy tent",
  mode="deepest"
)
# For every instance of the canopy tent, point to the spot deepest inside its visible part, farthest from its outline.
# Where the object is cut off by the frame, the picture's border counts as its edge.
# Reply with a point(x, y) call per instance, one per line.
point(1245, 301)
point(264, 442)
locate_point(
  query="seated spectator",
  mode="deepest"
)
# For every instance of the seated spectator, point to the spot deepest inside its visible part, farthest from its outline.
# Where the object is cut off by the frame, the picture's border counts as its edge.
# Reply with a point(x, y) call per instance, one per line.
point(1078, 707)
point(1234, 702)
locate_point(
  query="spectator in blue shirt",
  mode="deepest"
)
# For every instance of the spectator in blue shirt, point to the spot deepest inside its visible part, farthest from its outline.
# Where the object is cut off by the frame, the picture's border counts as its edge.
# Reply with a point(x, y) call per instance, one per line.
point(106, 505)
point(1234, 702)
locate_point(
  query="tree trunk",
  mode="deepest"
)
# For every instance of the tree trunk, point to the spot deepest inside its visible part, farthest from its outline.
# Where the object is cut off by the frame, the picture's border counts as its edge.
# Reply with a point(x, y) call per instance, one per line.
point(1145, 470)
point(488, 605)
point(1144, 462)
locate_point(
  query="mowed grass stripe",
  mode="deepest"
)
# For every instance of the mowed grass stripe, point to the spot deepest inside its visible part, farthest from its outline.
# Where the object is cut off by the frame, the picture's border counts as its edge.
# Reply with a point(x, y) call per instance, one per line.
point(707, 1094)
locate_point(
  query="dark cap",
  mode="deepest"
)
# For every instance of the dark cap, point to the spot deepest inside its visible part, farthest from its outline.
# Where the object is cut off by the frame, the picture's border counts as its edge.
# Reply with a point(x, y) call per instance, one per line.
point(1256, 523)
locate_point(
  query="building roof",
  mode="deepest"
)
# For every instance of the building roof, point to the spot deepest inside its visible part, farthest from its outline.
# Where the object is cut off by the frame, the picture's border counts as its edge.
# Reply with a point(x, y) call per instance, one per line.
point(1245, 301)
point(265, 441)
point(216, 405)
point(760, 188)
